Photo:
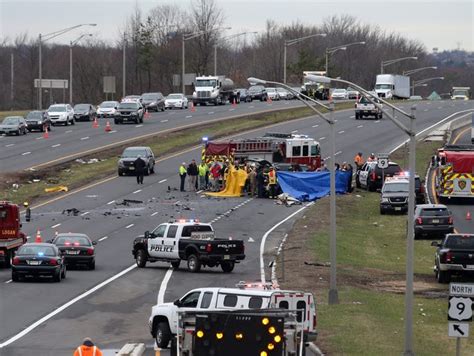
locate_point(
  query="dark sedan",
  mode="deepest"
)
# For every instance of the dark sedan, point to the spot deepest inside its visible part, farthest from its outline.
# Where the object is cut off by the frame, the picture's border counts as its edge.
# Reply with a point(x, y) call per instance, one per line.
point(38, 260)
point(433, 220)
point(84, 112)
point(38, 120)
point(153, 101)
point(258, 92)
point(14, 125)
point(78, 249)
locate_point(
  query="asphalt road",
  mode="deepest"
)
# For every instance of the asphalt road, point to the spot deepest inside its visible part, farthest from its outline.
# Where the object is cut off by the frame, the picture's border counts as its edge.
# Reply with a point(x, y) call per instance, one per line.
point(118, 312)
point(32, 149)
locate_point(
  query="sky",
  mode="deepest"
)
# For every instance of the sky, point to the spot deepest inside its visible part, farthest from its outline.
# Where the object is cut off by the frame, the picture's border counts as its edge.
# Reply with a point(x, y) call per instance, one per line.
point(444, 24)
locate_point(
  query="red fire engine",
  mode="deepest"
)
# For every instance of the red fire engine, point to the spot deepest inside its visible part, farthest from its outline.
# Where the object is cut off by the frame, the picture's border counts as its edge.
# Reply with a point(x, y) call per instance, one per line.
point(11, 237)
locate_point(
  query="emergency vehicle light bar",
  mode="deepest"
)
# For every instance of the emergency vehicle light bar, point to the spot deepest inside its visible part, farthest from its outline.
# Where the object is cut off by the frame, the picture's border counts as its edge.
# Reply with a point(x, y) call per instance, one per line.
point(195, 221)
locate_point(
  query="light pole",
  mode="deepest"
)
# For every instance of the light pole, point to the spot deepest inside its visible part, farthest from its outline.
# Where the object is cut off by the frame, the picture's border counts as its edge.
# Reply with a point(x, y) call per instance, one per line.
point(422, 82)
point(72, 43)
point(411, 132)
point(293, 42)
point(392, 61)
point(333, 294)
point(225, 39)
point(187, 37)
point(44, 38)
point(412, 71)
point(339, 48)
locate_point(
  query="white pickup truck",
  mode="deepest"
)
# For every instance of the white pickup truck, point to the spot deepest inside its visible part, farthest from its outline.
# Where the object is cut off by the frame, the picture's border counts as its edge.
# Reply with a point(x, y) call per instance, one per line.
point(163, 321)
point(364, 108)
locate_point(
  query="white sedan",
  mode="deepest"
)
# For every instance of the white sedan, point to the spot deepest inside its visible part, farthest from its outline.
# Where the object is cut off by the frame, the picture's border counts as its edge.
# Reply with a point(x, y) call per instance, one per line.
point(176, 101)
point(339, 94)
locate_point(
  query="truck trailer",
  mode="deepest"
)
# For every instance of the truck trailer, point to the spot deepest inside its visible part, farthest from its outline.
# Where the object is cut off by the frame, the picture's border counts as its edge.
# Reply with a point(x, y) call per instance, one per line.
point(215, 90)
point(392, 86)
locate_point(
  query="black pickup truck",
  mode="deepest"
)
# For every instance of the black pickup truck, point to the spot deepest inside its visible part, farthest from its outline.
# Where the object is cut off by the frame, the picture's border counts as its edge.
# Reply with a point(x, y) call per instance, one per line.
point(455, 255)
point(190, 241)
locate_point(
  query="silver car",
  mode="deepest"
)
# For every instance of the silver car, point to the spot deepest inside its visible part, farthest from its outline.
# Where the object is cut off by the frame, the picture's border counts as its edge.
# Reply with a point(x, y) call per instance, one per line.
point(14, 125)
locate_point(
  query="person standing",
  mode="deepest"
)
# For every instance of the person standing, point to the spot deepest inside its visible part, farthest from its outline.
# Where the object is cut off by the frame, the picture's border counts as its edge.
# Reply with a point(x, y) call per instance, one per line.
point(192, 173)
point(182, 176)
point(140, 165)
point(87, 349)
point(359, 161)
point(372, 158)
point(272, 183)
point(252, 182)
point(260, 183)
point(202, 172)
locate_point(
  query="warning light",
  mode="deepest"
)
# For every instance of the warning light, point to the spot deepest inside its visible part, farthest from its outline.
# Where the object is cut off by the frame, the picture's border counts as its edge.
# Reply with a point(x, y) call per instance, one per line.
point(277, 338)
point(271, 346)
point(219, 335)
point(263, 353)
point(200, 334)
point(265, 321)
point(271, 330)
point(239, 336)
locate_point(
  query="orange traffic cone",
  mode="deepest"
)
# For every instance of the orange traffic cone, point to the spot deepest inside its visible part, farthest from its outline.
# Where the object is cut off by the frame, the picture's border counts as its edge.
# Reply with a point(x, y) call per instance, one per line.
point(38, 236)
point(269, 100)
point(193, 109)
point(95, 125)
point(46, 134)
point(107, 126)
point(147, 115)
point(234, 103)
point(468, 215)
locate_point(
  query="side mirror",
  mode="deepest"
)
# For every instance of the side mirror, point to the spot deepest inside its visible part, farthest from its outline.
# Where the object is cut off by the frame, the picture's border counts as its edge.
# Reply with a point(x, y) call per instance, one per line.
point(147, 234)
point(177, 302)
point(94, 243)
point(435, 243)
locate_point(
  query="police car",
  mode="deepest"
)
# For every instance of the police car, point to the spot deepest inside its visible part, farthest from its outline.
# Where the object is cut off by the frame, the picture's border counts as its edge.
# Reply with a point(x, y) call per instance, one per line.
point(394, 195)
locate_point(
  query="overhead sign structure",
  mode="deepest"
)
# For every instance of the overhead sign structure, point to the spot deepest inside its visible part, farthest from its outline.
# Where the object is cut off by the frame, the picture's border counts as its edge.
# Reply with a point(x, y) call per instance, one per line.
point(458, 329)
point(109, 85)
point(52, 83)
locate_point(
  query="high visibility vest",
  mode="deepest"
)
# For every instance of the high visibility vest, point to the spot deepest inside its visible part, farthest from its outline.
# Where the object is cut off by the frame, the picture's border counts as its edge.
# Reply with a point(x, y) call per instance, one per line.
point(272, 177)
point(202, 170)
point(79, 351)
point(358, 160)
point(182, 170)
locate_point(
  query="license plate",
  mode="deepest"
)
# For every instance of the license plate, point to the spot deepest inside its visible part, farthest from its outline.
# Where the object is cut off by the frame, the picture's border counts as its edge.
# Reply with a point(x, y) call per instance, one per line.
point(469, 266)
point(34, 263)
point(131, 168)
point(398, 208)
point(435, 221)
point(68, 252)
point(226, 257)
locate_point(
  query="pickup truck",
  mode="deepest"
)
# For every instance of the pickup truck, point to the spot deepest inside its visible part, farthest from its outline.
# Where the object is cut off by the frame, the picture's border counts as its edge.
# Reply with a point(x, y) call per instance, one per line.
point(187, 240)
point(363, 108)
point(455, 255)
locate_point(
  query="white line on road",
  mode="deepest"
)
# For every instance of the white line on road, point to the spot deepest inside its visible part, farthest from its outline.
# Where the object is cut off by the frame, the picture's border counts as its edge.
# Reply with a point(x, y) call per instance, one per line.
point(232, 109)
point(164, 120)
point(103, 238)
point(139, 125)
point(84, 138)
point(154, 213)
point(352, 117)
point(56, 145)
point(163, 180)
point(137, 191)
point(26, 153)
point(322, 138)
point(164, 284)
point(210, 112)
point(9, 281)
point(337, 153)
point(55, 226)
point(294, 131)
point(189, 116)
point(360, 126)
point(68, 131)
point(85, 213)
point(440, 107)
point(376, 121)
point(425, 110)
point(111, 202)
point(10, 145)
point(39, 138)
point(341, 132)
point(129, 226)
point(315, 126)
point(113, 131)
point(65, 306)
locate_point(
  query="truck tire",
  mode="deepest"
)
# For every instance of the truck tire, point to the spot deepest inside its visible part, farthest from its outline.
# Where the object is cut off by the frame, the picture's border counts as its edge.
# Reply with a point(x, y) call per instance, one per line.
point(175, 264)
point(8, 259)
point(443, 276)
point(163, 335)
point(194, 265)
point(227, 267)
point(141, 258)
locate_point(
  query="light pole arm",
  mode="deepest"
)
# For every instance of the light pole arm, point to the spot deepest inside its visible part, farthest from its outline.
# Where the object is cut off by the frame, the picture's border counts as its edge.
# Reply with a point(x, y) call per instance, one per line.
point(297, 40)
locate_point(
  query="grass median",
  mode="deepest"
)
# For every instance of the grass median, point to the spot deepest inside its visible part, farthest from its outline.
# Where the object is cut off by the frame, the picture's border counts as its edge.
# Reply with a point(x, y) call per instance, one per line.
point(73, 174)
point(4, 114)
point(371, 250)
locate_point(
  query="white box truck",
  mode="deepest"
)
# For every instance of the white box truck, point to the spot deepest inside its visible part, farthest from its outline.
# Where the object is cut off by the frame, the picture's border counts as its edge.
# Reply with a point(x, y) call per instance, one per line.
point(392, 86)
point(460, 93)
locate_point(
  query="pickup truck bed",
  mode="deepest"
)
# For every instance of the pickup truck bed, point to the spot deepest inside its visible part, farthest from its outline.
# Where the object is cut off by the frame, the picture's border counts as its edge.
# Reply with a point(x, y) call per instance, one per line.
point(455, 255)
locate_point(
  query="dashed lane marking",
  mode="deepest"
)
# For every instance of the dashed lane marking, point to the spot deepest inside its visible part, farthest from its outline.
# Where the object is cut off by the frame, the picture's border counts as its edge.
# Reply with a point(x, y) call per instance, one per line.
point(68, 131)
point(341, 132)
point(337, 153)
point(376, 121)
point(111, 202)
point(189, 116)
point(129, 226)
point(315, 126)
point(56, 145)
point(9, 281)
point(352, 117)
point(163, 180)
point(103, 238)
point(55, 226)
point(113, 131)
point(360, 126)
point(232, 109)
point(39, 138)
point(84, 138)
point(164, 120)
point(154, 213)
point(322, 138)
point(85, 213)
point(294, 131)
point(26, 153)
point(10, 145)
point(139, 125)
point(137, 191)
point(210, 112)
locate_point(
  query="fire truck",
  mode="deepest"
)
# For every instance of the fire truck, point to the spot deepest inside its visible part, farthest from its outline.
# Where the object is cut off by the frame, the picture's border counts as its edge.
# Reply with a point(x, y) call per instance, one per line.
point(455, 172)
point(11, 237)
point(272, 147)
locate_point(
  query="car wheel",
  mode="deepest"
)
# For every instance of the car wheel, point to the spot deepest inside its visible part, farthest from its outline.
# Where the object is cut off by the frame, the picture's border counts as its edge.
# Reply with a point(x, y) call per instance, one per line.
point(18, 132)
point(141, 258)
point(67, 123)
point(194, 265)
point(227, 267)
point(73, 122)
point(443, 276)
point(152, 169)
point(57, 277)
point(382, 212)
point(163, 335)
point(92, 265)
point(175, 264)
point(147, 171)
point(116, 122)
point(120, 173)
point(63, 274)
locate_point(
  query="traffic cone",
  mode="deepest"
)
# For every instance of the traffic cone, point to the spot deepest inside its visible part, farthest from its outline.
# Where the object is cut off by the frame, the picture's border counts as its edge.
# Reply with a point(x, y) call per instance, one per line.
point(95, 125)
point(193, 109)
point(38, 236)
point(45, 133)
point(107, 126)
point(147, 115)
point(269, 100)
point(468, 215)
point(234, 103)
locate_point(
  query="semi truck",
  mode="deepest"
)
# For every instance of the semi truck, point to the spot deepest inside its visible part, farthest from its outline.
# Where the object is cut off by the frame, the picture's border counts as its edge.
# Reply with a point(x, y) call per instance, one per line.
point(461, 93)
point(11, 236)
point(392, 86)
point(215, 90)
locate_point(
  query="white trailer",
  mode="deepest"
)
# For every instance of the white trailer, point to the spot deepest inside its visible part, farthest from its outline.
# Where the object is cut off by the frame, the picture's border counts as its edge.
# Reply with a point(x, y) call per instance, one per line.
point(392, 86)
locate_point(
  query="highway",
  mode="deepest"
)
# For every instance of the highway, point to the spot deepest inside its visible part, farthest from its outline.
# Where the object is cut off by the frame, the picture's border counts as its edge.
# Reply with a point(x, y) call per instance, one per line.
point(118, 311)
point(67, 142)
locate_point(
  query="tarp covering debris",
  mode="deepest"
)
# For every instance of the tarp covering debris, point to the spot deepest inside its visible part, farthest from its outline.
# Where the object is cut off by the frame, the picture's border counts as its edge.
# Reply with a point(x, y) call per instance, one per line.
point(309, 186)
point(234, 184)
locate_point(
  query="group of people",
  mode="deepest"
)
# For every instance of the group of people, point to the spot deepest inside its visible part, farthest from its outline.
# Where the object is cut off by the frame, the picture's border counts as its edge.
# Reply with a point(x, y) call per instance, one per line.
point(203, 176)
point(359, 160)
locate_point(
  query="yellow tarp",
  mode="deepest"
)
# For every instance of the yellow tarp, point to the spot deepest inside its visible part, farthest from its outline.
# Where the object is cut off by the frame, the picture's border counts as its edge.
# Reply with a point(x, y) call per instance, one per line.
point(234, 184)
point(60, 188)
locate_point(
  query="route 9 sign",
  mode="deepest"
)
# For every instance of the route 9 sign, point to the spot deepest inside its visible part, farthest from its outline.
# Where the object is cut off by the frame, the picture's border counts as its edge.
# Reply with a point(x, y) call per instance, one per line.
point(461, 301)
point(382, 163)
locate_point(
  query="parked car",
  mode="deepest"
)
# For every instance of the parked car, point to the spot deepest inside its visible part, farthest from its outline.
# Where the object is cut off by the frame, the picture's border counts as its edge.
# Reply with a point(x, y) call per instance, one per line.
point(84, 112)
point(153, 101)
point(107, 109)
point(78, 249)
point(176, 100)
point(433, 220)
point(258, 92)
point(245, 96)
point(129, 111)
point(339, 94)
point(61, 114)
point(130, 154)
point(352, 93)
point(284, 94)
point(38, 120)
point(14, 125)
point(273, 94)
point(370, 175)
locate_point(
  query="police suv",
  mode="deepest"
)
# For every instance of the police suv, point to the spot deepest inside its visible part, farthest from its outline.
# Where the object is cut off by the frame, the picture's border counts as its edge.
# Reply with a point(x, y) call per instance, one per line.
point(187, 240)
point(394, 195)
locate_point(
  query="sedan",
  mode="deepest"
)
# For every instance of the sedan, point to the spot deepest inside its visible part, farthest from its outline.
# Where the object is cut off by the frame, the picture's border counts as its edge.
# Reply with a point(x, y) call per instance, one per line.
point(352, 93)
point(14, 125)
point(273, 94)
point(176, 101)
point(78, 249)
point(84, 112)
point(285, 94)
point(433, 220)
point(245, 95)
point(38, 260)
point(107, 109)
point(153, 101)
point(38, 120)
point(339, 94)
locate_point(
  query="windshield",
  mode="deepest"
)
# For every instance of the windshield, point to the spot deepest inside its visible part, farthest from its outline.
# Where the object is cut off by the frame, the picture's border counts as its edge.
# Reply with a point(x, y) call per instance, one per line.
point(206, 83)
point(256, 88)
point(11, 121)
point(395, 187)
point(128, 106)
point(81, 107)
point(435, 212)
point(460, 241)
point(37, 115)
point(460, 92)
point(36, 250)
point(108, 104)
point(174, 96)
point(271, 90)
point(339, 91)
point(57, 109)
point(72, 241)
point(383, 86)
point(133, 153)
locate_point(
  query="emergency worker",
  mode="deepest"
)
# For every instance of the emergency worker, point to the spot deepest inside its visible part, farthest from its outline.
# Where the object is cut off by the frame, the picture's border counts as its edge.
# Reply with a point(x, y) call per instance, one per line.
point(202, 172)
point(182, 176)
point(358, 161)
point(27, 211)
point(371, 158)
point(192, 173)
point(87, 349)
point(272, 183)
point(260, 183)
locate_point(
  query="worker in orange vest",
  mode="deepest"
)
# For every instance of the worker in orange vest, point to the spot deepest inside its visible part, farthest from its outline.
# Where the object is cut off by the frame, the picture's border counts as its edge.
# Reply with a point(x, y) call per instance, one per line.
point(359, 160)
point(272, 183)
point(87, 349)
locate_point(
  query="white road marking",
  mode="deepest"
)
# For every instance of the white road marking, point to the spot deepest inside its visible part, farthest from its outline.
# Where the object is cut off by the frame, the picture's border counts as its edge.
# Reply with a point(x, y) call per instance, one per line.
point(164, 284)
point(337, 153)
point(341, 132)
point(322, 138)
point(84, 138)
point(65, 306)
point(163, 180)
point(56, 145)
point(199, 191)
point(251, 107)
point(137, 191)
point(360, 126)
point(103, 238)
point(189, 116)
point(164, 120)
point(352, 117)
point(210, 112)
point(139, 125)
point(154, 213)
point(129, 226)
point(111, 202)
point(9, 281)
point(376, 121)
point(55, 226)
point(68, 131)
point(113, 131)
point(26, 153)
point(85, 213)
point(10, 145)
point(294, 131)
point(315, 126)
point(231, 109)
point(39, 138)
point(425, 110)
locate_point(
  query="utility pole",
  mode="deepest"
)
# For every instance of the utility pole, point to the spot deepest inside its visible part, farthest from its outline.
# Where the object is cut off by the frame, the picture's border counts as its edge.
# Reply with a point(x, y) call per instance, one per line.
point(12, 60)
point(124, 66)
point(40, 89)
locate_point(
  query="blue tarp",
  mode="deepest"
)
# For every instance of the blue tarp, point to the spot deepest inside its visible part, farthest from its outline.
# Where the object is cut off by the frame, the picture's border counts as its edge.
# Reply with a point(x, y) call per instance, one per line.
point(309, 186)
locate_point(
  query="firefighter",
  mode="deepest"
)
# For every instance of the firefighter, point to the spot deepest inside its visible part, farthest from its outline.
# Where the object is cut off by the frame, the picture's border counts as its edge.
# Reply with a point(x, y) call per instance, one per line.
point(182, 176)
point(87, 349)
point(272, 183)
point(202, 173)
point(359, 161)
point(27, 211)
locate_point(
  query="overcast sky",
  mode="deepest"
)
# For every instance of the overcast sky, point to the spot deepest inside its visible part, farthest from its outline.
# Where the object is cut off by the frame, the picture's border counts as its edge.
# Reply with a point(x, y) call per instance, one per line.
point(445, 24)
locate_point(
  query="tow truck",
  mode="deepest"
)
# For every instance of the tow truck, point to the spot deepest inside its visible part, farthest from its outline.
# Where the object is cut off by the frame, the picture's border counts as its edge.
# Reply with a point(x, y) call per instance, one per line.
point(272, 147)
point(11, 236)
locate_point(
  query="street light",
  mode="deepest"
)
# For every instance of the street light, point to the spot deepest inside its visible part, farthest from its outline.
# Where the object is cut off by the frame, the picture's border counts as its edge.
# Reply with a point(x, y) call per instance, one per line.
point(225, 39)
point(44, 38)
point(412, 71)
point(72, 43)
point(190, 36)
point(422, 82)
point(333, 294)
point(339, 48)
point(293, 42)
point(411, 132)
point(392, 61)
